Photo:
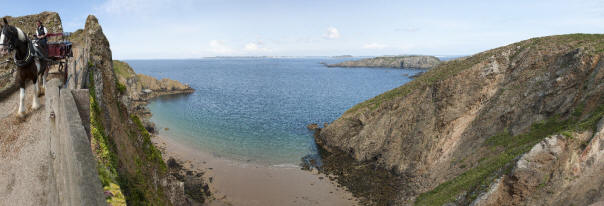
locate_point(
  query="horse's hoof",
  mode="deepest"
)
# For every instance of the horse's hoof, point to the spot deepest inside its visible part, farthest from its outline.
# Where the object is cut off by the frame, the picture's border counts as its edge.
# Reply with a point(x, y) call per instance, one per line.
point(20, 115)
point(35, 107)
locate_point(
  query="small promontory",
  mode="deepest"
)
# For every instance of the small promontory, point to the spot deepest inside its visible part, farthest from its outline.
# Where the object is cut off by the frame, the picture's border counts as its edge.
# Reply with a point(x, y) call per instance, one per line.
point(140, 87)
point(408, 61)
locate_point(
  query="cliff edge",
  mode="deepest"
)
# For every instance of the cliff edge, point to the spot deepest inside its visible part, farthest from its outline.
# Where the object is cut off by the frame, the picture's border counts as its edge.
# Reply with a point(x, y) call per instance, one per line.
point(411, 62)
point(449, 133)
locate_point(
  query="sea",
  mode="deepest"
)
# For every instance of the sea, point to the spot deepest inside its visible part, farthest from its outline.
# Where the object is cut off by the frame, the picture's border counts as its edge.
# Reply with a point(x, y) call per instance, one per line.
point(257, 109)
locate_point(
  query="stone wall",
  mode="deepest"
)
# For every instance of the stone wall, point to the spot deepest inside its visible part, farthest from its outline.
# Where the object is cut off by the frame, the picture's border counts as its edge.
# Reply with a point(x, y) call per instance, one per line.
point(74, 167)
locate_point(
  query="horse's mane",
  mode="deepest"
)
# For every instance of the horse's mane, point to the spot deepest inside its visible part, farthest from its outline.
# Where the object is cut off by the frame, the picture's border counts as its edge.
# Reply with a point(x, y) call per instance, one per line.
point(13, 30)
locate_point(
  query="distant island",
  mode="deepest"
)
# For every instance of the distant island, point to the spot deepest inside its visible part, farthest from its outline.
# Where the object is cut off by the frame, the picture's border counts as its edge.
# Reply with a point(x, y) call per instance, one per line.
point(343, 56)
point(407, 61)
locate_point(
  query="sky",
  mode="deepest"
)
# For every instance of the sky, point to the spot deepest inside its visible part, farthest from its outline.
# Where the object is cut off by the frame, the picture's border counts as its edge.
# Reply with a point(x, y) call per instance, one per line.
point(178, 29)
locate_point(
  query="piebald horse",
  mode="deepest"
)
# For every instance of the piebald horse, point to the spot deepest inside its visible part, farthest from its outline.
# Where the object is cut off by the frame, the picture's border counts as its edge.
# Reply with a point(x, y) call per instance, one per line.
point(29, 65)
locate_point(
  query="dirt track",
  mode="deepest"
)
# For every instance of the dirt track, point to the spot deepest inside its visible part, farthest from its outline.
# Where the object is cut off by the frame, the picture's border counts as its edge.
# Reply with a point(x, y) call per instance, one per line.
point(24, 153)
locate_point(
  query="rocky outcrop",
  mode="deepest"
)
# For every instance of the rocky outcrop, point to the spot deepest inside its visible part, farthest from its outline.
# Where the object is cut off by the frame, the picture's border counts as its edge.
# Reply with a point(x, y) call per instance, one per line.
point(168, 85)
point(411, 62)
point(464, 122)
point(142, 87)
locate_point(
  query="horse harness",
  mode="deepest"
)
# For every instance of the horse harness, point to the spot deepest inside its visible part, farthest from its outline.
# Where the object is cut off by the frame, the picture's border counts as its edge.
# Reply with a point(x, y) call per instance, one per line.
point(29, 57)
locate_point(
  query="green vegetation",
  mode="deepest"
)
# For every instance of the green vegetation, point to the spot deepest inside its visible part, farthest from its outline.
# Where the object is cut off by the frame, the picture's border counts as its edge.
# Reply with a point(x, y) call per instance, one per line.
point(127, 178)
point(122, 69)
point(107, 161)
point(151, 152)
point(592, 43)
point(441, 72)
point(509, 148)
point(120, 87)
point(118, 198)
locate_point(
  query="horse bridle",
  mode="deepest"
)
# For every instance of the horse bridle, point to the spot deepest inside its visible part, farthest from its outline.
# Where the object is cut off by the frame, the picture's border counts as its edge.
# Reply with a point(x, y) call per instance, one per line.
point(9, 40)
point(11, 46)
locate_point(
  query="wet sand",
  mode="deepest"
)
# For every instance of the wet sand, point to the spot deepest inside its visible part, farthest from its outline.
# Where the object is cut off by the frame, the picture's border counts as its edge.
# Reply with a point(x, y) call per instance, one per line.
point(236, 183)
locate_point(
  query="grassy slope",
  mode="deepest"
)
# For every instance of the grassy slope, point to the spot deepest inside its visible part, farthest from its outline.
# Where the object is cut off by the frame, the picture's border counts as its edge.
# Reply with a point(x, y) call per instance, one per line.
point(505, 147)
point(122, 69)
point(594, 43)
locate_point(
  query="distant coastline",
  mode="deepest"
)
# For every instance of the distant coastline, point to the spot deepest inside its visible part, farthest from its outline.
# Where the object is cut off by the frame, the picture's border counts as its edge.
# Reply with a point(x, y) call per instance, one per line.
point(407, 61)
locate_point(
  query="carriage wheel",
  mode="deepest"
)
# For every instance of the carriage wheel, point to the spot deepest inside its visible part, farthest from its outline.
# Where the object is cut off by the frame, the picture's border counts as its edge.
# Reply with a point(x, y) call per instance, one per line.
point(65, 71)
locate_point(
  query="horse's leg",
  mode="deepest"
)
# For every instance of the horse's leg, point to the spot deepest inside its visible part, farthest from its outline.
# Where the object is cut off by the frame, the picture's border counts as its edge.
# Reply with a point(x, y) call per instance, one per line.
point(20, 112)
point(44, 75)
point(35, 105)
point(40, 66)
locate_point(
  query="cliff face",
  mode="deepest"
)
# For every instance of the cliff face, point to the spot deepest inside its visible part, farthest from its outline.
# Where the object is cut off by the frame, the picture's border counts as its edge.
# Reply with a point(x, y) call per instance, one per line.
point(127, 159)
point(464, 122)
point(560, 170)
point(413, 62)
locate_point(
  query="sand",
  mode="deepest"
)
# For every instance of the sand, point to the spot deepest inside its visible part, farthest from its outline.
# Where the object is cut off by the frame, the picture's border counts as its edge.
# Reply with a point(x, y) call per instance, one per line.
point(237, 183)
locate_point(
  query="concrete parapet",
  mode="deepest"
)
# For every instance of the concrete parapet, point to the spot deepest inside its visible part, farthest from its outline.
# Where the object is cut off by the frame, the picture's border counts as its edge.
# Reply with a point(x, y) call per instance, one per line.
point(74, 166)
point(82, 100)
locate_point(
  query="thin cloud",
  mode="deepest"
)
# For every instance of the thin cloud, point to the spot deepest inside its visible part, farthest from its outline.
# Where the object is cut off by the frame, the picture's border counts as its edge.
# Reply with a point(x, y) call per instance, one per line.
point(374, 46)
point(407, 29)
point(122, 6)
point(255, 47)
point(332, 33)
point(217, 46)
point(138, 7)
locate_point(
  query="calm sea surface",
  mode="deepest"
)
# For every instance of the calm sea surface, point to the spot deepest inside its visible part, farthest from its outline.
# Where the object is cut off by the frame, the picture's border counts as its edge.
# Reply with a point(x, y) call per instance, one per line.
point(257, 109)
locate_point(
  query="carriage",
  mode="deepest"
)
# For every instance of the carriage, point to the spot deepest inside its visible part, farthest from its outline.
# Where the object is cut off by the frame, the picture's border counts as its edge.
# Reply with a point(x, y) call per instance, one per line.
point(59, 52)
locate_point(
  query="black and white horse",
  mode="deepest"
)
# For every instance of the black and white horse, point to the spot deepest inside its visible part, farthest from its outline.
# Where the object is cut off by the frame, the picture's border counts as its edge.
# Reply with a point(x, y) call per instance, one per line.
point(29, 66)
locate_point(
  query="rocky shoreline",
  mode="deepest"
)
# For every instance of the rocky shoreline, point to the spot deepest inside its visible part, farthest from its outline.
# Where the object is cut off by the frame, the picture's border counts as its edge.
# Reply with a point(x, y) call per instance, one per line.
point(368, 181)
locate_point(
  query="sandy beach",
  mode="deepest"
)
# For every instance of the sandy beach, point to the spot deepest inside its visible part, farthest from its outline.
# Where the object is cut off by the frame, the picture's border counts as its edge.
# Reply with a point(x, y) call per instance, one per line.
point(237, 183)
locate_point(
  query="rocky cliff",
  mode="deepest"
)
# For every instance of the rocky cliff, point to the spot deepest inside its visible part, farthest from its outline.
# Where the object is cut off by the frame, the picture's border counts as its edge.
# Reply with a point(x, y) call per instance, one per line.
point(447, 135)
point(413, 62)
point(563, 169)
point(128, 162)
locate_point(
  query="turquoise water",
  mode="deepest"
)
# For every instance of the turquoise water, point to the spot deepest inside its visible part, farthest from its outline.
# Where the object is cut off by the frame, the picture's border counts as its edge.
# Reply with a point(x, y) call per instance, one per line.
point(257, 109)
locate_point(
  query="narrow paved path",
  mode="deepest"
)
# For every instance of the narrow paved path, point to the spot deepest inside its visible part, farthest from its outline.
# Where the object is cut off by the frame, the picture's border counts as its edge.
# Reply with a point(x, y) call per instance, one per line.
point(25, 161)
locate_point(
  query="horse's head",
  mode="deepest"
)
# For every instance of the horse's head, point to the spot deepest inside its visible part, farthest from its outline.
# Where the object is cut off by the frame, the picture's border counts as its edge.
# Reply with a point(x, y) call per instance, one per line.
point(8, 36)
